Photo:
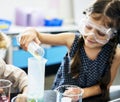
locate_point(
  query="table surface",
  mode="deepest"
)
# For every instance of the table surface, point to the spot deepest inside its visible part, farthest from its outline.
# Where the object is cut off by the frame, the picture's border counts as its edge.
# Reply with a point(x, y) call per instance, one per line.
point(18, 29)
point(50, 96)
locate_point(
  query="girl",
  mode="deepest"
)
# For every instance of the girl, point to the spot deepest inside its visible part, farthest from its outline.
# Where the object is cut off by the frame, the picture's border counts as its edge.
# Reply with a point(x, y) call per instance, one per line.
point(93, 55)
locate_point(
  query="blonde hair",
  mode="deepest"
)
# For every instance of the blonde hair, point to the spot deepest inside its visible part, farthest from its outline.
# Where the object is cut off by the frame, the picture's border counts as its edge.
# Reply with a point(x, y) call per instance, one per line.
point(4, 41)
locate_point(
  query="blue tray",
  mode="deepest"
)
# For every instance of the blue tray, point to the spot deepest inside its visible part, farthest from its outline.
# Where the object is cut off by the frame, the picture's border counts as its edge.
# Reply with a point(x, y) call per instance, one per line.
point(53, 22)
point(5, 25)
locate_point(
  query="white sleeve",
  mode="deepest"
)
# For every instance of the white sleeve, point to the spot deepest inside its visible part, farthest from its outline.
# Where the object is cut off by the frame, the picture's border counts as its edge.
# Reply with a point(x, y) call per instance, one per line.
point(2, 53)
point(16, 75)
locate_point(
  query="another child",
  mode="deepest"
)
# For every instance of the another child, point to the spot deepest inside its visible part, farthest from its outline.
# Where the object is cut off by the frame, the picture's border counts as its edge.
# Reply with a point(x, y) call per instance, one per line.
point(93, 56)
point(16, 75)
point(4, 44)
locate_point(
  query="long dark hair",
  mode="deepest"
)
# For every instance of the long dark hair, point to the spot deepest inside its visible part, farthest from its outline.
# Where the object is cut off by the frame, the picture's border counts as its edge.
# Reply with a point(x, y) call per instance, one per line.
point(101, 8)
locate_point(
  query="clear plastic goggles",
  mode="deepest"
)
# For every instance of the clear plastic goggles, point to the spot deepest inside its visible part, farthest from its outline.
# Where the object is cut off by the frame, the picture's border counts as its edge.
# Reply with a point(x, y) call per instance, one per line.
point(101, 33)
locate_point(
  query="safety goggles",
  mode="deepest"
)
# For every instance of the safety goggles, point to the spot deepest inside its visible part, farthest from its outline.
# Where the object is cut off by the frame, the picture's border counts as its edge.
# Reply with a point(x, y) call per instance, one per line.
point(101, 34)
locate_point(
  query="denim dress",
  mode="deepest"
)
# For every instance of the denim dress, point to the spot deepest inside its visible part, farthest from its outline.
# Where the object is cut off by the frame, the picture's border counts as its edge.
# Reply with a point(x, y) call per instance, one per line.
point(90, 70)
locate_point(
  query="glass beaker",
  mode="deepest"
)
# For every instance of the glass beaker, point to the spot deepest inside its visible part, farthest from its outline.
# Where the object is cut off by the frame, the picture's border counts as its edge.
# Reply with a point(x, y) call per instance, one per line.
point(69, 93)
point(5, 89)
point(36, 50)
point(13, 99)
point(36, 76)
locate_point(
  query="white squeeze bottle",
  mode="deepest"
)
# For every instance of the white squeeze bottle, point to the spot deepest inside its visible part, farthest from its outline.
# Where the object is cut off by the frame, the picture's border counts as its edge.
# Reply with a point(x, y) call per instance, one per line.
point(33, 48)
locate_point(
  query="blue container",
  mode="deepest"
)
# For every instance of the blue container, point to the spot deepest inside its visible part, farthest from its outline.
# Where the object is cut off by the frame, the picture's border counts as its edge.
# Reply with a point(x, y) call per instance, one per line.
point(53, 22)
point(5, 25)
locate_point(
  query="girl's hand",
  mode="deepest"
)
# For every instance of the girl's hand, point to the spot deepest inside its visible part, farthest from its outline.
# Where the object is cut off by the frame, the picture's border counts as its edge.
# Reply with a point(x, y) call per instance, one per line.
point(73, 93)
point(27, 36)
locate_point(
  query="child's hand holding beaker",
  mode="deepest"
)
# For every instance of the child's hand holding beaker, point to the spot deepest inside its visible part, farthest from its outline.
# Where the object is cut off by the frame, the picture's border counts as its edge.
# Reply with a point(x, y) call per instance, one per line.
point(19, 98)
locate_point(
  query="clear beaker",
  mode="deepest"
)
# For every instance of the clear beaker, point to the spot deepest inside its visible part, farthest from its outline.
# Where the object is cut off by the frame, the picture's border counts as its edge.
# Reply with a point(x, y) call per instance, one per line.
point(36, 77)
point(13, 99)
point(69, 93)
point(5, 89)
point(36, 50)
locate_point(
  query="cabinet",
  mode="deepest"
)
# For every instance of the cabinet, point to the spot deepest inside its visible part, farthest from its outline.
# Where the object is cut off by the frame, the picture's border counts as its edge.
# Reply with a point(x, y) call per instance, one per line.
point(53, 54)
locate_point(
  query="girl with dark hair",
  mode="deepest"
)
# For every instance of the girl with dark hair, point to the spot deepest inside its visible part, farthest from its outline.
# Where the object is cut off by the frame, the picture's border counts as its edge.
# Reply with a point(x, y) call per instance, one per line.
point(93, 56)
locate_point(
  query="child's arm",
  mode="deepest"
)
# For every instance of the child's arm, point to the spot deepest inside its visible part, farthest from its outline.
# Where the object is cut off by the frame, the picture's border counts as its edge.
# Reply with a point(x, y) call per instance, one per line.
point(91, 91)
point(45, 38)
point(16, 75)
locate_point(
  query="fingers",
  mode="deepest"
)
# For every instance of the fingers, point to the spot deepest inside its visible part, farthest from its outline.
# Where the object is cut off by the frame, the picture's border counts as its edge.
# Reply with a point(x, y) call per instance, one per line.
point(27, 36)
point(72, 90)
point(21, 98)
point(37, 41)
point(72, 93)
point(24, 41)
point(1, 90)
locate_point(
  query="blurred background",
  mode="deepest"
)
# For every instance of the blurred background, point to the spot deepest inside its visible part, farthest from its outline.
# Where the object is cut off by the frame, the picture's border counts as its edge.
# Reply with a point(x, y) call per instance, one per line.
point(69, 11)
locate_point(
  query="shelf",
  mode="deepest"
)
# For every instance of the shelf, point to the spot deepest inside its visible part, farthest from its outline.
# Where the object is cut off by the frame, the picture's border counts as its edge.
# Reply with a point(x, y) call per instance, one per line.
point(18, 29)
